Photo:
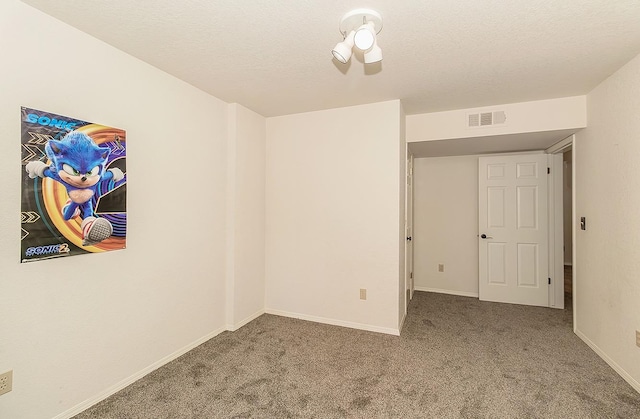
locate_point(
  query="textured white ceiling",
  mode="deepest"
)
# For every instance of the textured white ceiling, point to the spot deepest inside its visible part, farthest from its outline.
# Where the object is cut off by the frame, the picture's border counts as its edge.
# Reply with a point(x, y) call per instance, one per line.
point(274, 56)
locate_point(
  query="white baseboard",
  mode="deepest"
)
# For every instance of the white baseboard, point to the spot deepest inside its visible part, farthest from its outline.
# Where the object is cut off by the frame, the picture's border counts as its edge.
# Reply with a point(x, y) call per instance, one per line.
point(617, 368)
point(450, 292)
point(334, 322)
point(133, 378)
point(233, 328)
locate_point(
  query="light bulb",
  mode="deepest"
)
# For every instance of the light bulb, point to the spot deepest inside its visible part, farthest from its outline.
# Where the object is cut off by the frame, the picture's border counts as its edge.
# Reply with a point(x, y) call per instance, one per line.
point(365, 36)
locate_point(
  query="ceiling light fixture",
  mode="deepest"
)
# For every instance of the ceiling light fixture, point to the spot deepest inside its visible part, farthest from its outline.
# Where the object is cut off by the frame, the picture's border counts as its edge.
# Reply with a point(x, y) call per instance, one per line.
point(359, 28)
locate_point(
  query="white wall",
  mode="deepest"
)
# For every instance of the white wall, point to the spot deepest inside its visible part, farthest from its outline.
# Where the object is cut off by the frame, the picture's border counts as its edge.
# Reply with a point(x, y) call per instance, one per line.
point(446, 224)
point(608, 195)
point(524, 117)
point(333, 193)
point(72, 328)
point(246, 216)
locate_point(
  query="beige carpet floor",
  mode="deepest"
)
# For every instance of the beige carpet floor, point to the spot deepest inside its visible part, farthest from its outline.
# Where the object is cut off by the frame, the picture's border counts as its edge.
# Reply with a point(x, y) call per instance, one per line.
point(457, 357)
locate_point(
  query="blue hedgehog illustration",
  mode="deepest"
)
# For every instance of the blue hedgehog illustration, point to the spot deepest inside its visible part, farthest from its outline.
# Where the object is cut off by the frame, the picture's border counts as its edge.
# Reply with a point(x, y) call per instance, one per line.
point(79, 163)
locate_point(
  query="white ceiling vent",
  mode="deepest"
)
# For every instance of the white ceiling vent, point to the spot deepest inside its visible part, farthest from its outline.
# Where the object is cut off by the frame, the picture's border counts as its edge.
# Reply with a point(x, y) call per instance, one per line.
point(486, 119)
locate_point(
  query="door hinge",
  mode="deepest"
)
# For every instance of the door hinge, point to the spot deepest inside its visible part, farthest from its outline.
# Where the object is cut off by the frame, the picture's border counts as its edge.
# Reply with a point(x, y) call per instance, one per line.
point(548, 170)
point(549, 281)
point(411, 275)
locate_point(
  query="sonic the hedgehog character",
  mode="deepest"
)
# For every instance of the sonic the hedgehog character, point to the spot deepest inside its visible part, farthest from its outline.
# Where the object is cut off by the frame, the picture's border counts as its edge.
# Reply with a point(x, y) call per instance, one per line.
point(79, 163)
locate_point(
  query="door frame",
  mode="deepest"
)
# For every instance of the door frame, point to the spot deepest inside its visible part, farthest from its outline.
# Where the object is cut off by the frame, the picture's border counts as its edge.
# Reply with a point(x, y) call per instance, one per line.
point(408, 231)
point(556, 230)
point(556, 211)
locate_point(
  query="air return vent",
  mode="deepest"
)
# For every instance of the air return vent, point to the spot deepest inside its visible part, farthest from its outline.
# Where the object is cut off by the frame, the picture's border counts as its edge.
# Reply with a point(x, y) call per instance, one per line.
point(486, 119)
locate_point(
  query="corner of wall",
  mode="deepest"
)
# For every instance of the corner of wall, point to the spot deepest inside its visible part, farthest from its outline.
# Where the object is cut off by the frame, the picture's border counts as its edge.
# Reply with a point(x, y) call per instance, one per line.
point(402, 221)
point(245, 253)
point(232, 133)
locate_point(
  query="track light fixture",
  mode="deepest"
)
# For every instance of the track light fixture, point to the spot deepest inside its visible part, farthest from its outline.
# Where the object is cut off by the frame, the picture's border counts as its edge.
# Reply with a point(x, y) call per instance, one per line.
point(359, 28)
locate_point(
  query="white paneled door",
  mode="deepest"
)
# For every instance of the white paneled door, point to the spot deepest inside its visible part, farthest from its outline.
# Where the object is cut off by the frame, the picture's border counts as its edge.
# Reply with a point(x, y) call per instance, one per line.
point(513, 229)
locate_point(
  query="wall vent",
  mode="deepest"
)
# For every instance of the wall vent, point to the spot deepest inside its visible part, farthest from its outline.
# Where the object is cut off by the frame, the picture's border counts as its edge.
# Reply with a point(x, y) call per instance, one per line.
point(486, 119)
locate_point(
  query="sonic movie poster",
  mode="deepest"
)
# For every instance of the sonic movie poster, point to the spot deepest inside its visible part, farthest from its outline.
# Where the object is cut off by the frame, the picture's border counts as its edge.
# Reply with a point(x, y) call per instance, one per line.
point(74, 186)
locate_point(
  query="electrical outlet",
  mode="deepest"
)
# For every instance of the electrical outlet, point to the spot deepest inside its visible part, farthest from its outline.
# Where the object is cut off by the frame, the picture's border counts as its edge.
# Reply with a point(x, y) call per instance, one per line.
point(441, 267)
point(638, 338)
point(363, 293)
point(6, 382)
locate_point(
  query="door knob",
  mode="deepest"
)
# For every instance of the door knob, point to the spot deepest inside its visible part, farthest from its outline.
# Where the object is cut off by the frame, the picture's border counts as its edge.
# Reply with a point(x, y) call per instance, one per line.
point(484, 236)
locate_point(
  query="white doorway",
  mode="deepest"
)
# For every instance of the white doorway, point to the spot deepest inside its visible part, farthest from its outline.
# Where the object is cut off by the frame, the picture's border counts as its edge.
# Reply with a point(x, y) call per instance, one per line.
point(445, 223)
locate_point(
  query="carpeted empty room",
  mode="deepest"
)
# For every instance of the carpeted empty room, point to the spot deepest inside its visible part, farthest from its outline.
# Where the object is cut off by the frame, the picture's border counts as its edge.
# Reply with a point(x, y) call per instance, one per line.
point(457, 357)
